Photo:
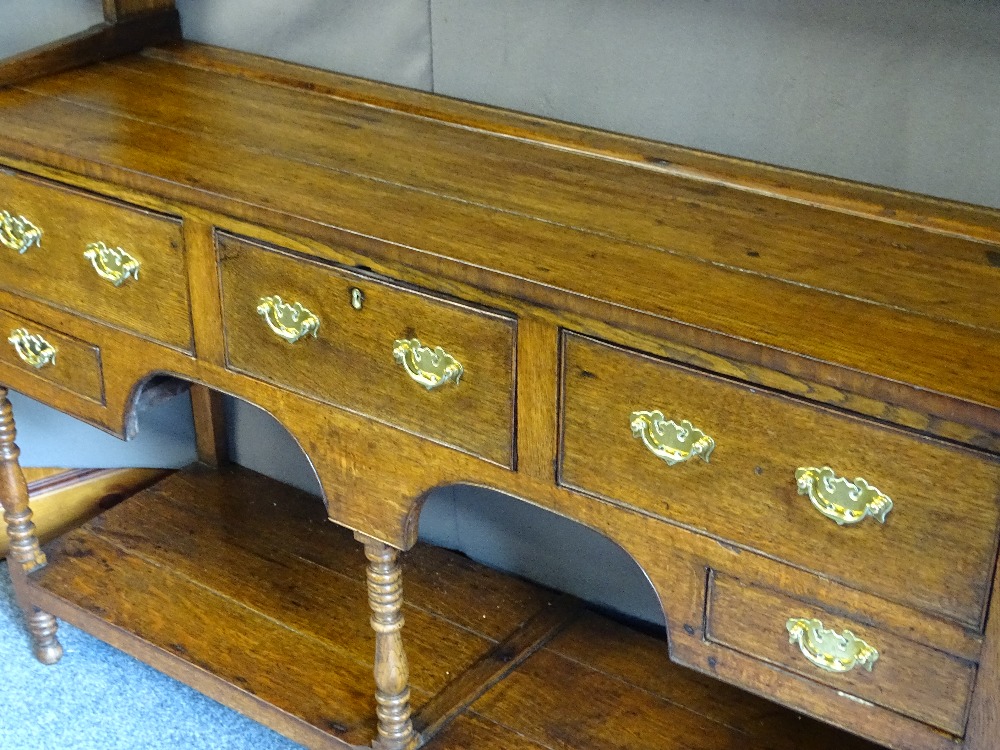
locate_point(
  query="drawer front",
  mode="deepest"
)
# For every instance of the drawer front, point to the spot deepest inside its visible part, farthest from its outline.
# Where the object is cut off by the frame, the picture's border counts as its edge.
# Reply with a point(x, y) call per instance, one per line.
point(879, 667)
point(135, 281)
point(935, 550)
point(363, 352)
point(51, 356)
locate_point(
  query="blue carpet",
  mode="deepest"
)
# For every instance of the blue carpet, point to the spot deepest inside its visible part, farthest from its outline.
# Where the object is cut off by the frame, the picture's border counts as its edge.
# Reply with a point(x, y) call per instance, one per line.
point(99, 698)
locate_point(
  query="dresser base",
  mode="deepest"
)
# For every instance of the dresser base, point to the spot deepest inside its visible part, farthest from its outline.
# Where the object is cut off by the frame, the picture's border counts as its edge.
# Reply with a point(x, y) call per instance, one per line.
point(237, 585)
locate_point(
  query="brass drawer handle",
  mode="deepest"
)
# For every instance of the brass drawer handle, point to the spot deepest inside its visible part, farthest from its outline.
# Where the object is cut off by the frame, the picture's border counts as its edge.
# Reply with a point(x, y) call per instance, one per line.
point(112, 263)
point(840, 500)
point(32, 349)
point(291, 322)
point(668, 440)
point(431, 368)
point(827, 649)
point(17, 233)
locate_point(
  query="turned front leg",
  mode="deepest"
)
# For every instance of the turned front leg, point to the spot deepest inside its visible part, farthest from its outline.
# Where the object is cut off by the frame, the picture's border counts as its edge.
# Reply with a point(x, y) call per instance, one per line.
point(392, 674)
point(25, 554)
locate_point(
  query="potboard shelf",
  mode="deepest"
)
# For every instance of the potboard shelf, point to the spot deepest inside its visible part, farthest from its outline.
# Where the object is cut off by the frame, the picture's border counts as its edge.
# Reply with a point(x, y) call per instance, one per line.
point(238, 585)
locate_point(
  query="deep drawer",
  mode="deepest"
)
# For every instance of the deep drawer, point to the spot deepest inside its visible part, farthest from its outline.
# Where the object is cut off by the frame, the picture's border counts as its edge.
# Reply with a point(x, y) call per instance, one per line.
point(52, 356)
point(883, 668)
point(935, 550)
point(60, 263)
point(365, 347)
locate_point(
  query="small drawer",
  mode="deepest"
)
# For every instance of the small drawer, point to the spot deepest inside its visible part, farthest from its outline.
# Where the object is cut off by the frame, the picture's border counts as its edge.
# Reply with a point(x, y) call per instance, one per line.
point(935, 550)
point(55, 357)
point(114, 263)
point(350, 339)
point(840, 653)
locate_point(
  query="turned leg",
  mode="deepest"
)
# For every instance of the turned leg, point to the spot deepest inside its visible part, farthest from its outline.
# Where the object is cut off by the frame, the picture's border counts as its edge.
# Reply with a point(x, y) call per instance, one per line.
point(25, 555)
point(392, 675)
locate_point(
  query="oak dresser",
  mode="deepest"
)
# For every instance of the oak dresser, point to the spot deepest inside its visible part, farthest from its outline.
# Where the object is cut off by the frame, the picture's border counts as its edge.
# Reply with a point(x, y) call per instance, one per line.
point(777, 392)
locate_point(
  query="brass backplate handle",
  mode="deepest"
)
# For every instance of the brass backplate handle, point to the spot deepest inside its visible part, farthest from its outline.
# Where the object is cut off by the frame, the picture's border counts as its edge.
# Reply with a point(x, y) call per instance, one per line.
point(17, 233)
point(32, 348)
point(112, 263)
point(827, 649)
point(840, 500)
point(668, 440)
point(431, 368)
point(291, 322)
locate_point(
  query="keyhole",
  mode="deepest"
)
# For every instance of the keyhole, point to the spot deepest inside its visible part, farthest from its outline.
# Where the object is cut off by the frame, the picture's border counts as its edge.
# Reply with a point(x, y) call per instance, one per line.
point(357, 298)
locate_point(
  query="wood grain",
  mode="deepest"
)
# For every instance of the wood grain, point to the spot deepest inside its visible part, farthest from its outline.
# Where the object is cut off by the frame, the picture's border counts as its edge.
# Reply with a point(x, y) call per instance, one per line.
point(523, 177)
point(76, 365)
point(25, 554)
point(350, 361)
point(57, 271)
point(984, 715)
point(729, 301)
point(755, 298)
point(494, 666)
point(316, 683)
point(204, 290)
point(211, 437)
point(930, 555)
point(190, 542)
point(62, 499)
point(879, 203)
point(638, 661)
point(115, 10)
point(126, 34)
point(914, 680)
point(538, 398)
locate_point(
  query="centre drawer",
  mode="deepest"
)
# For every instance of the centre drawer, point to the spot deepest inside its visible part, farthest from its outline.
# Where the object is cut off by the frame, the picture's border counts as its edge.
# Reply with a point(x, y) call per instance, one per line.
point(110, 261)
point(429, 365)
point(777, 476)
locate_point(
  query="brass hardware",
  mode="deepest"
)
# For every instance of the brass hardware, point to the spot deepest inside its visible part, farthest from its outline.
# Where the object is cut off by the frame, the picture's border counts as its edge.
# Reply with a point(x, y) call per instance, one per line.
point(827, 649)
point(31, 348)
point(357, 298)
point(17, 233)
point(112, 263)
point(291, 322)
point(668, 440)
point(429, 367)
point(840, 500)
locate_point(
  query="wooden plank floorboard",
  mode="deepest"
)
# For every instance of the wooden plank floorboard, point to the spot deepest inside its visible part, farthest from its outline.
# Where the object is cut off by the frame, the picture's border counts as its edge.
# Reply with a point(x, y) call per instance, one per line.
point(447, 584)
point(601, 685)
point(471, 732)
point(641, 660)
point(245, 579)
point(568, 706)
point(495, 665)
point(297, 675)
point(257, 564)
point(325, 605)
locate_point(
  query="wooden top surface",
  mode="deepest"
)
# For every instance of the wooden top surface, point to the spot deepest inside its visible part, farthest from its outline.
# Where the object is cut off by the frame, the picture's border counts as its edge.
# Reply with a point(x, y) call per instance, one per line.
point(869, 280)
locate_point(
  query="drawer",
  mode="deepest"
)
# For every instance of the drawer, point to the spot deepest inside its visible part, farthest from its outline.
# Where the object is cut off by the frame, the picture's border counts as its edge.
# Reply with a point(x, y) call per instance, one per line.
point(358, 358)
point(907, 677)
point(52, 356)
point(935, 550)
point(150, 300)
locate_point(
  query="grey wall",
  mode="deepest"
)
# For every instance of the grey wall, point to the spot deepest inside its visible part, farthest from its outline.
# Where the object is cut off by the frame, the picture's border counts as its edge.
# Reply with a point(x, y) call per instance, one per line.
point(896, 92)
point(904, 93)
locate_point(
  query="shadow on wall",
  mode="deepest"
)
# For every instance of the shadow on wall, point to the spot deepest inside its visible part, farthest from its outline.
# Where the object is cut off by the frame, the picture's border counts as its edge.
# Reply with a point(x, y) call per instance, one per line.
point(492, 528)
point(512, 535)
point(50, 438)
